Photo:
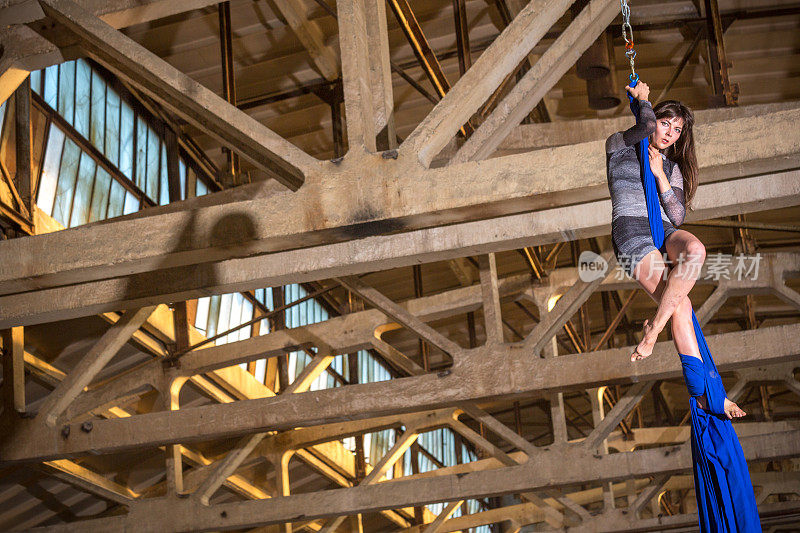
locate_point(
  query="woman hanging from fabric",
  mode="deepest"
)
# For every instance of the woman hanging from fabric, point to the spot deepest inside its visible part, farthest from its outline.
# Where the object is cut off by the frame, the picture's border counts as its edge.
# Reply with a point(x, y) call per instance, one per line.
point(652, 177)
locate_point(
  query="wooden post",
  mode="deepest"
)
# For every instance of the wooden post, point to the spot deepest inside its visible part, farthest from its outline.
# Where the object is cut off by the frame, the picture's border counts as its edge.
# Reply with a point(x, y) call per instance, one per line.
point(14, 369)
point(231, 173)
point(23, 178)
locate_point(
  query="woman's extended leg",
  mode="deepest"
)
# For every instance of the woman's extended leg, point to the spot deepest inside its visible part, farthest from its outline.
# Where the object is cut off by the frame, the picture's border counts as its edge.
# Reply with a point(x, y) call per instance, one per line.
point(687, 254)
point(649, 273)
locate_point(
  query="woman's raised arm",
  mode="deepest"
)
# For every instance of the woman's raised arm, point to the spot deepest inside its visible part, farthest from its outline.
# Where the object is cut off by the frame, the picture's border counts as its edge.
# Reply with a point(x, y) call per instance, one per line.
point(645, 121)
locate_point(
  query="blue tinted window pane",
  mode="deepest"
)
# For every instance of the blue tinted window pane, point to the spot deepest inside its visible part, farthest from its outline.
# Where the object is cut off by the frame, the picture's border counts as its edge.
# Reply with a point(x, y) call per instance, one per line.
point(202, 189)
point(126, 140)
point(52, 162)
point(141, 153)
point(131, 204)
point(224, 320)
point(235, 315)
point(51, 86)
point(201, 317)
point(293, 366)
point(112, 127)
point(98, 118)
point(116, 199)
point(36, 81)
point(83, 80)
point(66, 182)
point(66, 91)
point(268, 294)
point(153, 153)
point(163, 195)
point(247, 315)
point(182, 176)
point(83, 191)
point(102, 188)
point(261, 370)
point(213, 315)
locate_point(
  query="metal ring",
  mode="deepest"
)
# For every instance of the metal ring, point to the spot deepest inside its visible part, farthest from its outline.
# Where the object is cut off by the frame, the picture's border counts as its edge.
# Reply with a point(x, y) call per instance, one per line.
point(634, 78)
point(625, 33)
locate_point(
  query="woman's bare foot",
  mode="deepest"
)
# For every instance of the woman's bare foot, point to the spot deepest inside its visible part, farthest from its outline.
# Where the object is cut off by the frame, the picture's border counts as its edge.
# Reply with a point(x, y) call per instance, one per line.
point(732, 410)
point(645, 348)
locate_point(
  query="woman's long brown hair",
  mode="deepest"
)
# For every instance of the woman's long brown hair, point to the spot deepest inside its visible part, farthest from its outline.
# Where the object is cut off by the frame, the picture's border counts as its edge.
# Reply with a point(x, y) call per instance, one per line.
point(682, 152)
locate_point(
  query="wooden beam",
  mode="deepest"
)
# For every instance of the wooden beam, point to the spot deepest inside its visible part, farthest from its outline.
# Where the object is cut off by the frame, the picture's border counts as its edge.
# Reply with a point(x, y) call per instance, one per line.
point(500, 429)
point(91, 364)
point(553, 517)
point(13, 370)
point(221, 470)
point(514, 479)
point(311, 436)
point(23, 179)
point(227, 466)
point(394, 311)
point(380, 74)
point(478, 83)
point(394, 454)
point(396, 358)
point(378, 252)
point(195, 233)
point(90, 481)
point(515, 374)
point(230, 174)
point(309, 32)
point(442, 517)
point(356, 331)
point(493, 320)
point(530, 137)
point(545, 73)
point(645, 437)
point(18, 42)
point(100, 486)
point(620, 410)
point(356, 78)
point(726, 92)
point(609, 332)
point(173, 165)
point(117, 13)
point(566, 306)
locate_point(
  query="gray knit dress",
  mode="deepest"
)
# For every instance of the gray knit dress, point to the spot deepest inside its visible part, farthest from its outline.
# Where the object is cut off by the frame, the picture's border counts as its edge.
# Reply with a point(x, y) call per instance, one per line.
point(630, 229)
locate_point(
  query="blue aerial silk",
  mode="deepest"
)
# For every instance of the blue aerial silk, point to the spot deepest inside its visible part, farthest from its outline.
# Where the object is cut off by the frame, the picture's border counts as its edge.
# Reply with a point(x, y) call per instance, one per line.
point(725, 499)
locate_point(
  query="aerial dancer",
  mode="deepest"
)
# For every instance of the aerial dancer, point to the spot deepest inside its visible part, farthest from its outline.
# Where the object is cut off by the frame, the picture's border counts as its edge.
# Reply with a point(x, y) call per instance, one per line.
point(652, 177)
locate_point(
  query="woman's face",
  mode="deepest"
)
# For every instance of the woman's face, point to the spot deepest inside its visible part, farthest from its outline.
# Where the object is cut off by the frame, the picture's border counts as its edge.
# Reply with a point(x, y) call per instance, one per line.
point(667, 132)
